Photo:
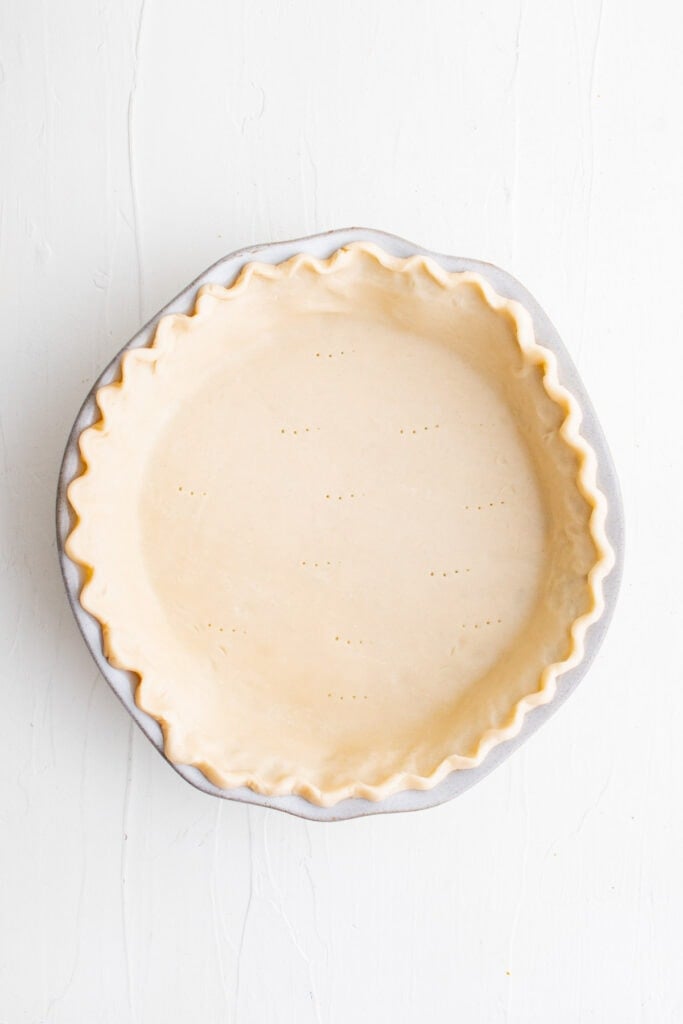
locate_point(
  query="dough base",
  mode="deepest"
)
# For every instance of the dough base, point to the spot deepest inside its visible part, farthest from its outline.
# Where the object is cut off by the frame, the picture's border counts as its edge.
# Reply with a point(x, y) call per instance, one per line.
point(341, 523)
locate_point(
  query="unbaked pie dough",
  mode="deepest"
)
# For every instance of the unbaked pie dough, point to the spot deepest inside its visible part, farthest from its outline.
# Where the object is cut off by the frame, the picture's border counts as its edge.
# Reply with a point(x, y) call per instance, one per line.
point(341, 523)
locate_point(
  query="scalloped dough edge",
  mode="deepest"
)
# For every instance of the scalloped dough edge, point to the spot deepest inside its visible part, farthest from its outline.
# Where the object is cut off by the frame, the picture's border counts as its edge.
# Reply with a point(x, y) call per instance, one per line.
point(569, 430)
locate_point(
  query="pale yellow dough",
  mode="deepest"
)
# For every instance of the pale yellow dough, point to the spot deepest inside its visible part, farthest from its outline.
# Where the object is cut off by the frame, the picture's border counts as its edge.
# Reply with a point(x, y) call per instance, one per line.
point(342, 524)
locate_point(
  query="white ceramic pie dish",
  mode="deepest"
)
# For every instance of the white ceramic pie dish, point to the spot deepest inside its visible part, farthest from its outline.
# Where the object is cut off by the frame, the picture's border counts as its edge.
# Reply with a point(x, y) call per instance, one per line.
point(322, 246)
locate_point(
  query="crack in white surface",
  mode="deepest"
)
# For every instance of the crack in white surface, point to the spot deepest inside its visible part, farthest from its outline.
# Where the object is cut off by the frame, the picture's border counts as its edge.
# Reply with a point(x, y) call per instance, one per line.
point(132, 98)
point(522, 880)
point(218, 934)
point(591, 177)
point(245, 920)
point(60, 996)
point(125, 923)
point(514, 187)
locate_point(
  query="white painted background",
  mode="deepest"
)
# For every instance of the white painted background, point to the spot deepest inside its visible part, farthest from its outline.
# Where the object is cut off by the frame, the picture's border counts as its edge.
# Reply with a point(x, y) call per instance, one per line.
point(139, 144)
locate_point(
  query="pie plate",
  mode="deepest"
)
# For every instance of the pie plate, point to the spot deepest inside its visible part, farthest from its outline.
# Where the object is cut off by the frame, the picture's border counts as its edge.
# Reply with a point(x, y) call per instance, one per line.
point(240, 575)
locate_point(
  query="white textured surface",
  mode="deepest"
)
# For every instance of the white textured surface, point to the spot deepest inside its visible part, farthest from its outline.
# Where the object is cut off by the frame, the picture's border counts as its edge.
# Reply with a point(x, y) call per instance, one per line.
point(138, 145)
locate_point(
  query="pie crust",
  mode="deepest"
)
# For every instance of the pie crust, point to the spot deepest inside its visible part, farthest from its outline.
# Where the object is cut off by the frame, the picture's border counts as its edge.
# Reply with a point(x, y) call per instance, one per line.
point(341, 523)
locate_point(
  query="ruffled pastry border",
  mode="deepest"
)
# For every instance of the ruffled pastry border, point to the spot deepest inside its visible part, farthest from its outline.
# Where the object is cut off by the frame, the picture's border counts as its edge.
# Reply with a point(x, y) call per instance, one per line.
point(586, 481)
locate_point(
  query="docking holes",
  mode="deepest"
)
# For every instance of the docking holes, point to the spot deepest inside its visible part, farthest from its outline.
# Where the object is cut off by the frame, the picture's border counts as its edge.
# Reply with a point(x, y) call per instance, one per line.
point(191, 494)
point(484, 507)
point(419, 429)
point(445, 573)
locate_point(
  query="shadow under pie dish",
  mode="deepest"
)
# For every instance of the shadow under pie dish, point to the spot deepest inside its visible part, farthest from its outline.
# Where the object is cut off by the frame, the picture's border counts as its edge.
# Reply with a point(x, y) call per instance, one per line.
point(341, 524)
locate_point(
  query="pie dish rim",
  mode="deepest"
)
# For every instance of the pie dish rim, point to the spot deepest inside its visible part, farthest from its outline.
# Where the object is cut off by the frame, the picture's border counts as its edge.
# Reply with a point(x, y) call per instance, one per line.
point(322, 246)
